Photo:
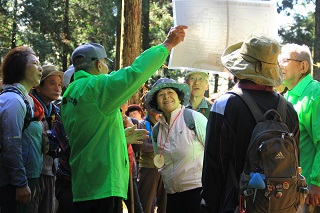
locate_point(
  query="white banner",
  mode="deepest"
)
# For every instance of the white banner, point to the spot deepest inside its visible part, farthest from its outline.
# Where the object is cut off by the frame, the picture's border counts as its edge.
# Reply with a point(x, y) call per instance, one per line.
point(215, 25)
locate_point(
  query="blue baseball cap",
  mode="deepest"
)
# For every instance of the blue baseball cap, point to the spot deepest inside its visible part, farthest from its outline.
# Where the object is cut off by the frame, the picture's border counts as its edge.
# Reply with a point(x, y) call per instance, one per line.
point(89, 51)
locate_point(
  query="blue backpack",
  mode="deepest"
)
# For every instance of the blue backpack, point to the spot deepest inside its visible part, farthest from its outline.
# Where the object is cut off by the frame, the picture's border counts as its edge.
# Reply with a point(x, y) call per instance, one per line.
point(28, 117)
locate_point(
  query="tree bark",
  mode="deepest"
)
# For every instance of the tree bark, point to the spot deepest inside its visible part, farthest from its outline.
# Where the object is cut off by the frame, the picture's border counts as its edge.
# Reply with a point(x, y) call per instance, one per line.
point(131, 34)
point(131, 31)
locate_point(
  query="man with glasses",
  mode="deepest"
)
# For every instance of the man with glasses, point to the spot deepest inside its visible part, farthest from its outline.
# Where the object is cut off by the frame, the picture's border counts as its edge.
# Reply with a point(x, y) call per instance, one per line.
point(198, 83)
point(304, 94)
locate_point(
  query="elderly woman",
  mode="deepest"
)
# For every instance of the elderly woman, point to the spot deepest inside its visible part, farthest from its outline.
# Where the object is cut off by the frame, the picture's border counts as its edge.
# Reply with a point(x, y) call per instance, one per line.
point(179, 150)
point(20, 129)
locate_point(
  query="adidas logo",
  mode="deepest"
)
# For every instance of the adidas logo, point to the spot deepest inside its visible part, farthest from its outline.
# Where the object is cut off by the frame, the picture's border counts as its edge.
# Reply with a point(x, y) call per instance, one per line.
point(279, 156)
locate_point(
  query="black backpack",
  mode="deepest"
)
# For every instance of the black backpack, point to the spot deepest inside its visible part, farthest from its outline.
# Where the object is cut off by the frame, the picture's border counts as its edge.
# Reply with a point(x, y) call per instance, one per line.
point(271, 181)
point(28, 117)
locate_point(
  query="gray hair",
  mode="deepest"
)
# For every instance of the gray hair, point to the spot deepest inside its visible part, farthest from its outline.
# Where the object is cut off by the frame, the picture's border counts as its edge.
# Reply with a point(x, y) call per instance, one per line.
point(302, 53)
point(83, 64)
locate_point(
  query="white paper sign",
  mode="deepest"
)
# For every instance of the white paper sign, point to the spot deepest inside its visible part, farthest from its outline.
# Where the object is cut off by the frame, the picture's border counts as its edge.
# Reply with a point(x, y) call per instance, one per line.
point(215, 25)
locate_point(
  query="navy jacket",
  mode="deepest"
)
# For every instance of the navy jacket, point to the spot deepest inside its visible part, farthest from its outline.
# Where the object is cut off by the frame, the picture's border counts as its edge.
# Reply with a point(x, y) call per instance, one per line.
point(229, 130)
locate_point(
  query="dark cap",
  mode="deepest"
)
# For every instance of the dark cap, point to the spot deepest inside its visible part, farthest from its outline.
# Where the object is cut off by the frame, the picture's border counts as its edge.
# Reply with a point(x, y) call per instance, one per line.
point(90, 51)
point(135, 107)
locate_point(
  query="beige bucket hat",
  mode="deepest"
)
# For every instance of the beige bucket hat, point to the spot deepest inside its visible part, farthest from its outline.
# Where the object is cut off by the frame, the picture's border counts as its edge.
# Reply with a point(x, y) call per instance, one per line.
point(48, 70)
point(255, 59)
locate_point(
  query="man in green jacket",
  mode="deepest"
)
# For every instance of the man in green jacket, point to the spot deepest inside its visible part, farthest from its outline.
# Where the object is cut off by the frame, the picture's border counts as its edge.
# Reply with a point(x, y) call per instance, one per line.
point(92, 119)
point(304, 94)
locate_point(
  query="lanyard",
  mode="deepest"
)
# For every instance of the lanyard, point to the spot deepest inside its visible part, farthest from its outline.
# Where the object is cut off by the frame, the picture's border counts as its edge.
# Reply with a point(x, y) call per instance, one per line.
point(170, 127)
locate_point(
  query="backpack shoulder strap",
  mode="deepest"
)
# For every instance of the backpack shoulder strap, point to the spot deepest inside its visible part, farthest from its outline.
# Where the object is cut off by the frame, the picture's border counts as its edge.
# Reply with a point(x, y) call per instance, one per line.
point(155, 132)
point(135, 122)
point(28, 117)
point(246, 97)
point(258, 116)
point(148, 127)
point(188, 118)
point(282, 108)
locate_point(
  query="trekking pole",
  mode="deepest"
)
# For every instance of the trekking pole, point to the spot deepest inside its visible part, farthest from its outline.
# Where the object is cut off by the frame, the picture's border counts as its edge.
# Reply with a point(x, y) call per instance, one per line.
point(242, 204)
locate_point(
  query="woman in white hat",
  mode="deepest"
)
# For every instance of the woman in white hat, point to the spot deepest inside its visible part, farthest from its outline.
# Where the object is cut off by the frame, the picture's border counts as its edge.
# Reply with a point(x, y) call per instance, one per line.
point(179, 150)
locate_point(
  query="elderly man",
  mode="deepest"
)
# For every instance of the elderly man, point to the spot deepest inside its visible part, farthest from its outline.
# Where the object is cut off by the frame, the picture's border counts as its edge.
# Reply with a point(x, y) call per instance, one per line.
point(93, 122)
point(304, 93)
point(198, 83)
point(49, 90)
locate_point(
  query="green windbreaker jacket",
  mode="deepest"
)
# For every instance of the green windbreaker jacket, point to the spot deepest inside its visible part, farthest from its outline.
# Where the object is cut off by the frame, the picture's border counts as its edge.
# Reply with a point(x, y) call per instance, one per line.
point(92, 119)
point(305, 98)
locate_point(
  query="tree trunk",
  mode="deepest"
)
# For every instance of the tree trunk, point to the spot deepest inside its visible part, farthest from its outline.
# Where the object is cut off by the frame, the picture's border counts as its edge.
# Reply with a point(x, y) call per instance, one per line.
point(316, 71)
point(131, 34)
point(131, 31)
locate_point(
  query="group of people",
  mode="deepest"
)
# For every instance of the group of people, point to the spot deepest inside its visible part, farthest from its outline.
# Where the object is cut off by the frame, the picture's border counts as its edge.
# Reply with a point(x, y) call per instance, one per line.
point(34, 146)
point(261, 64)
point(83, 153)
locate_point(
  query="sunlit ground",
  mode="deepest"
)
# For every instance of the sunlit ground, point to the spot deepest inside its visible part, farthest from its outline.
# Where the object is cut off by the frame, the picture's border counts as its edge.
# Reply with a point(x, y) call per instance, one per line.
point(124, 207)
point(125, 210)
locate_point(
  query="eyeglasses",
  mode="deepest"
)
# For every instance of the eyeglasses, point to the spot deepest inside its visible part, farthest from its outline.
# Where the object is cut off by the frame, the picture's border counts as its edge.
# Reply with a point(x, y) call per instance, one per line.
point(201, 79)
point(286, 60)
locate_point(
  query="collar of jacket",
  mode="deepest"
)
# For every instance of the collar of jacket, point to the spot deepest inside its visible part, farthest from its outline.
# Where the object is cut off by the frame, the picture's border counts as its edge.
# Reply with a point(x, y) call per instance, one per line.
point(253, 86)
point(301, 85)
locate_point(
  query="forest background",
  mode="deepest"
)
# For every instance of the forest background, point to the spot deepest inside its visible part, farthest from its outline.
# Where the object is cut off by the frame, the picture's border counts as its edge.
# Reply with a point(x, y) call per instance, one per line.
point(53, 28)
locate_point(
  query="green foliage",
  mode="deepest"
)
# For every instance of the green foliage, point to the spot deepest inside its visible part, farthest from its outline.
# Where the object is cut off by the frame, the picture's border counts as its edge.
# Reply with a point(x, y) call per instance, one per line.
point(6, 23)
point(43, 22)
point(53, 28)
point(160, 22)
point(301, 31)
point(42, 26)
point(93, 21)
point(287, 6)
